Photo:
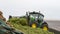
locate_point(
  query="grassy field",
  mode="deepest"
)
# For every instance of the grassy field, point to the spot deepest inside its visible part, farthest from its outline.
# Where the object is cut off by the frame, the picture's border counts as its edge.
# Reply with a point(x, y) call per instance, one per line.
point(21, 25)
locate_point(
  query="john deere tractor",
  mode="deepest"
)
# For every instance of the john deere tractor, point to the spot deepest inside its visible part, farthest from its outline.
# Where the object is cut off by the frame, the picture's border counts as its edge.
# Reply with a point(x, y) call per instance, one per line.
point(36, 19)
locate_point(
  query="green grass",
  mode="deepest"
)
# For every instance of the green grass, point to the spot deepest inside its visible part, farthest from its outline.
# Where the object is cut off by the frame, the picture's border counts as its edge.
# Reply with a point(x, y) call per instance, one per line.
point(29, 30)
point(26, 29)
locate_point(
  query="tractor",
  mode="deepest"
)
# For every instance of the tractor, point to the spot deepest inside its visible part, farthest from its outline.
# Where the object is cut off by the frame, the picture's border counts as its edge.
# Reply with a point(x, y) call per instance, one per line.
point(36, 19)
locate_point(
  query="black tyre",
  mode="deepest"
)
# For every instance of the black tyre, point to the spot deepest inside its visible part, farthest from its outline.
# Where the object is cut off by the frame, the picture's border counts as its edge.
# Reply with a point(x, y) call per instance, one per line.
point(45, 26)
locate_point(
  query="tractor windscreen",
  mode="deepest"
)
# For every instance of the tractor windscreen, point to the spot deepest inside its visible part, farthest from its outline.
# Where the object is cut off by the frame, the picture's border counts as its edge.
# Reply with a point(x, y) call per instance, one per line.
point(41, 17)
point(36, 16)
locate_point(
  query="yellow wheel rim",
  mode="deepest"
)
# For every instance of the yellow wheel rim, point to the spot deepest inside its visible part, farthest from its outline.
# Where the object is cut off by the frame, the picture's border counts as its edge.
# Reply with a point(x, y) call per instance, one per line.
point(34, 25)
point(45, 28)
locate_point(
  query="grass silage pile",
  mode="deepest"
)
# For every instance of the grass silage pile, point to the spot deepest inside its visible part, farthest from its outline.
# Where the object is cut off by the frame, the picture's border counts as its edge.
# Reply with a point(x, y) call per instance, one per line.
point(21, 24)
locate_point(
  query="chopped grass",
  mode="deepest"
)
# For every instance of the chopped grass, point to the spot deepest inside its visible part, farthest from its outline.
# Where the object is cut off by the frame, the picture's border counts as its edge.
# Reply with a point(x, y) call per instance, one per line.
point(28, 30)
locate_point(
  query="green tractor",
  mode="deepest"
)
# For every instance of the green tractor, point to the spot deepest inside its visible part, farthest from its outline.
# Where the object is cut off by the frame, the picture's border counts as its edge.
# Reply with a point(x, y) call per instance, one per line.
point(35, 19)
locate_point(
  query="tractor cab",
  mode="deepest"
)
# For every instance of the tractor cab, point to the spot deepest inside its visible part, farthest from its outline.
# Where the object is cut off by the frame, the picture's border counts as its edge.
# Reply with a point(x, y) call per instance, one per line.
point(35, 19)
point(35, 16)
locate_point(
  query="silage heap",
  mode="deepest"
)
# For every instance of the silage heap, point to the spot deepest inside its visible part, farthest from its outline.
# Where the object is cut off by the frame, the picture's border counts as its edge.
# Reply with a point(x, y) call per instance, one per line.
point(21, 24)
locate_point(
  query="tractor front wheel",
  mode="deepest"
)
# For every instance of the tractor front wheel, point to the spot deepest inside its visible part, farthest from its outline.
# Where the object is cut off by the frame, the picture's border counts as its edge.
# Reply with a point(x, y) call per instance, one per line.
point(34, 25)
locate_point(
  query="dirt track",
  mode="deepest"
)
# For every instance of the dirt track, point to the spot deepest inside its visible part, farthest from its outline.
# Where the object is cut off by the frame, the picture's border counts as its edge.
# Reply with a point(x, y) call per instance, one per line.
point(54, 26)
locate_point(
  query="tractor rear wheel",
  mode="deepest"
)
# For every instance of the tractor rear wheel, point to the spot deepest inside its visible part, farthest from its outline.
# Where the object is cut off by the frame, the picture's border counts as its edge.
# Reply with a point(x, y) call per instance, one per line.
point(45, 27)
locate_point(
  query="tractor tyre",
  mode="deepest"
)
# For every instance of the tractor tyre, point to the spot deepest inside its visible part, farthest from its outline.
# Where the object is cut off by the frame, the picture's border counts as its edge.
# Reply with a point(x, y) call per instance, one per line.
point(34, 25)
point(45, 27)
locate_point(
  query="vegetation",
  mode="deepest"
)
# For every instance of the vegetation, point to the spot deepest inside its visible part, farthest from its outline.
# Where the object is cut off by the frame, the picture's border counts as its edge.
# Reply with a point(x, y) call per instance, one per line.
point(21, 24)
point(22, 21)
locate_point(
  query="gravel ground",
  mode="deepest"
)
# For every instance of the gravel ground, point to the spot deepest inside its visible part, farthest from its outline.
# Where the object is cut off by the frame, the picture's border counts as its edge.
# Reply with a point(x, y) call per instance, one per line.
point(54, 25)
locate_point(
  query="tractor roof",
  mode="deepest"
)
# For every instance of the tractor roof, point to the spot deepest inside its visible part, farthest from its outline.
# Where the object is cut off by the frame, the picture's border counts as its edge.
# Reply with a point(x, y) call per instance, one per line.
point(36, 13)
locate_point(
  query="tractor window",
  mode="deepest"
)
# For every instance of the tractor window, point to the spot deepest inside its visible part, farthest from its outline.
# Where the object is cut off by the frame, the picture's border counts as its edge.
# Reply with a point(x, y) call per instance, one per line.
point(41, 17)
point(34, 15)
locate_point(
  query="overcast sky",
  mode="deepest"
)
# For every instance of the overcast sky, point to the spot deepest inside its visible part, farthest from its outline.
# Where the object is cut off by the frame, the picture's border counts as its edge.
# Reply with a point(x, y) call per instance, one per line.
point(50, 8)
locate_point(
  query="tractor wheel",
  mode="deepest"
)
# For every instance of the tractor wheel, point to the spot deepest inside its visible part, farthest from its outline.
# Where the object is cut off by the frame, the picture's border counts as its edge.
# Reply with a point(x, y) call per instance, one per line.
point(45, 27)
point(34, 25)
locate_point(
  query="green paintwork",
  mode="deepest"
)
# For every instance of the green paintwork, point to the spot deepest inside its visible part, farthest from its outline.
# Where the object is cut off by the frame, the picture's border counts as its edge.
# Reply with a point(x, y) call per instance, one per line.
point(33, 17)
